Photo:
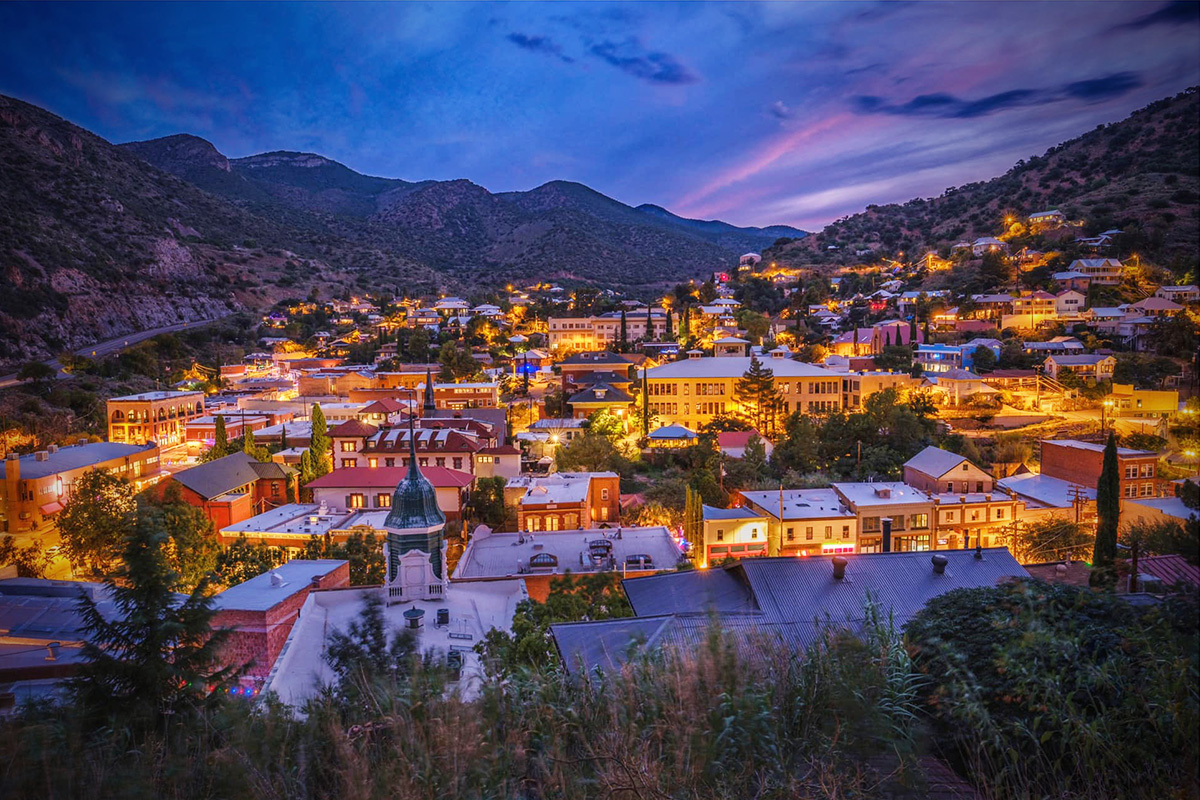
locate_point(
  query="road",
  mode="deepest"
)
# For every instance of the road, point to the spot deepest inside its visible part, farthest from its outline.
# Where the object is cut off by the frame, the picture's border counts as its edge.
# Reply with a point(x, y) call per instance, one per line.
point(111, 346)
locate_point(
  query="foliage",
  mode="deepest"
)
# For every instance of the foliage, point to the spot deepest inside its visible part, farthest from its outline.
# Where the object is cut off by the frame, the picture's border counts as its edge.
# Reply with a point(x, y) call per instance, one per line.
point(362, 654)
point(1055, 691)
point(95, 522)
point(755, 392)
point(31, 561)
point(894, 358)
point(1108, 509)
point(191, 548)
point(158, 654)
point(1144, 371)
point(456, 362)
point(243, 560)
point(983, 360)
point(591, 453)
point(486, 503)
point(363, 551)
point(320, 445)
point(36, 371)
point(1051, 539)
point(605, 423)
point(572, 598)
point(1165, 537)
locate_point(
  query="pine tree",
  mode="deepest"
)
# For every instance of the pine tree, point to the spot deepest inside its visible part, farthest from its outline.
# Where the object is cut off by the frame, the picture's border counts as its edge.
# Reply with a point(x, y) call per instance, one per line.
point(306, 473)
point(623, 342)
point(157, 655)
point(912, 330)
point(1108, 510)
point(755, 391)
point(220, 438)
point(645, 404)
point(320, 444)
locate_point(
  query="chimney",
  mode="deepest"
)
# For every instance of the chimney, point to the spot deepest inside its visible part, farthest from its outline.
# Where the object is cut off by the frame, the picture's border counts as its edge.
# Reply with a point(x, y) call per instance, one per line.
point(887, 534)
point(839, 568)
point(276, 579)
point(978, 550)
point(12, 468)
point(82, 440)
point(316, 582)
point(939, 564)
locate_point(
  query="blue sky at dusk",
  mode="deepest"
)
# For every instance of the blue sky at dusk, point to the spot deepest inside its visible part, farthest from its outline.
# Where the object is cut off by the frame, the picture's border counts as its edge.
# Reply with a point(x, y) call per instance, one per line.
point(756, 114)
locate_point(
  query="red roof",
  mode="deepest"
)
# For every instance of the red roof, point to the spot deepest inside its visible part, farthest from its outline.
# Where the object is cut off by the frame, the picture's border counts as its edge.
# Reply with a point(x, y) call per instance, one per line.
point(735, 438)
point(387, 405)
point(352, 427)
point(1170, 569)
point(503, 450)
point(388, 477)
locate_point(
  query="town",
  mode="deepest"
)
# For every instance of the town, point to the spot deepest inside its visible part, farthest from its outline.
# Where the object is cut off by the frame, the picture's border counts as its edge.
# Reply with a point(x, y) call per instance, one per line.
point(320, 484)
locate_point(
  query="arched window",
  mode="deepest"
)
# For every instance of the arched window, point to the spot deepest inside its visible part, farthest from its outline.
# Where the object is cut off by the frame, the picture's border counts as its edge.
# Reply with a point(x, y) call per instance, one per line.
point(543, 561)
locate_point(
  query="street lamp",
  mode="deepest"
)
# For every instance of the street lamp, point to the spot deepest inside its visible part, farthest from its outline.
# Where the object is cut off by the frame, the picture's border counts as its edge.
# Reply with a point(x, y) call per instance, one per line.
point(1107, 404)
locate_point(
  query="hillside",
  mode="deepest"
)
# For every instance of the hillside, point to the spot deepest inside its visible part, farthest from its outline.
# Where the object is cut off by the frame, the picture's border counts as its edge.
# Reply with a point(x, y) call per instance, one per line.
point(96, 243)
point(1141, 175)
point(560, 231)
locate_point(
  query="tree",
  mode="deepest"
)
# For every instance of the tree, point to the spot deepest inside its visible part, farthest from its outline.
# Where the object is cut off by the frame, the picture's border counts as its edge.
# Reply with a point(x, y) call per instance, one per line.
point(244, 560)
point(605, 423)
point(894, 358)
point(363, 551)
point(591, 453)
point(362, 654)
point(623, 339)
point(755, 392)
point(983, 359)
point(486, 503)
point(96, 521)
point(36, 371)
point(1165, 537)
point(1108, 510)
point(30, 561)
point(1053, 539)
point(192, 547)
point(220, 439)
point(158, 654)
point(670, 334)
point(456, 362)
point(320, 444)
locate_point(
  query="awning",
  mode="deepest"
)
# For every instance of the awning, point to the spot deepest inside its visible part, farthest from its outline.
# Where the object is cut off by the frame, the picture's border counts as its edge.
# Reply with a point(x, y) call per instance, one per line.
point(51, 508)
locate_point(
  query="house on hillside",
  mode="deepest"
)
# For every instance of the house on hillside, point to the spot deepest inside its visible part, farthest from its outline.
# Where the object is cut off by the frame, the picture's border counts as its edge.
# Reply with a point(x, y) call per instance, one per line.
point(1096, 366)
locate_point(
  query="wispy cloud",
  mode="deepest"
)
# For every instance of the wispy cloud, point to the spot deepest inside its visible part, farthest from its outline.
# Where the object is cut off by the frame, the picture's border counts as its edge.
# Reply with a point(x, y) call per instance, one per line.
point(1179, 12)
point(951, 107)
point(780, 110)
point(648, 65)
point(540, 44)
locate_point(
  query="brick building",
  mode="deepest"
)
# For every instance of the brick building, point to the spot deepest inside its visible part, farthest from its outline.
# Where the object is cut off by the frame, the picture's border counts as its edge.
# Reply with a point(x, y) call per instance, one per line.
point(157, 417)
point(565, 500)
point(1081, 462)
point(234, 488)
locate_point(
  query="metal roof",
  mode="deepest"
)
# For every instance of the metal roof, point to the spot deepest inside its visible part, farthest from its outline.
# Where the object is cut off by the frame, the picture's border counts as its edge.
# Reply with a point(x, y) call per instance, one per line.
point(719, 590)
point(934, 461)
point(736, 367)
point(219, 477)
point(76, 456)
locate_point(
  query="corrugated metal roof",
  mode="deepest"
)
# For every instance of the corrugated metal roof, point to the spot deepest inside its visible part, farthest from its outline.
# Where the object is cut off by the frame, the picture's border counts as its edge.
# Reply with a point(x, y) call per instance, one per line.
point(720, 590)
point(219, 477)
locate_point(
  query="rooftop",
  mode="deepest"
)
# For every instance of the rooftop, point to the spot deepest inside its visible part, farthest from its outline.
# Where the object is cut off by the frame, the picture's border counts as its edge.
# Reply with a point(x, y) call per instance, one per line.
point(934, 461)
point(879, 493)
point(736, 367)
point(76, 456)
point(269, 589)
point(498, 555)
point(153, 396)
point(1096, 447)
point(388, 478)
point(1047, 491)
point(801, 503)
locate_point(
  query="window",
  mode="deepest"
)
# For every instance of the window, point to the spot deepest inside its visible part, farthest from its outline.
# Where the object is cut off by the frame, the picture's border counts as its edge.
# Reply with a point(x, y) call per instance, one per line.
point(808, 531)
point(1131, 471)
point(383, 500)
point(754, 533)
point(372, 462)
point(349, 463)
point(965, 466)
point(423, 462)
point(604, 494)
point(999, 513)
point(1131, 490)
point(1147, 470)
point(347, 447)
point(828, 531)
point(458, 462)
point(979, 486)
point(918, 521)
point(1147, 489)
point(870, 524)
point(720, 535)
point(949, 486)
point(791, 534)
point(441, 462)
point(845, 531)
point(389, 462)
point(357, 500)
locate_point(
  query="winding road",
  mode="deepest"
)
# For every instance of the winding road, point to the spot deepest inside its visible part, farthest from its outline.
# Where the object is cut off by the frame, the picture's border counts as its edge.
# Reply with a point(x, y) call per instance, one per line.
point(112, 346)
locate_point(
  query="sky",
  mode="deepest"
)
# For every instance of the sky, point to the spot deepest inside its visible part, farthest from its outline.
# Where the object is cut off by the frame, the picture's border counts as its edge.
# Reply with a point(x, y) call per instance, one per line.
point(757, 114)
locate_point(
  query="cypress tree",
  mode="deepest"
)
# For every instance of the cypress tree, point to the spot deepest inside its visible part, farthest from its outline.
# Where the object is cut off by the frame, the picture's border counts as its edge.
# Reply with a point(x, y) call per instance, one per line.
point(685, 325)
point(670, 334)
point(283, 443)
point(645, 404)
point(320, 444)
point(1108, 510)
point(220, 437)
point(623, 342)
point(248, 442)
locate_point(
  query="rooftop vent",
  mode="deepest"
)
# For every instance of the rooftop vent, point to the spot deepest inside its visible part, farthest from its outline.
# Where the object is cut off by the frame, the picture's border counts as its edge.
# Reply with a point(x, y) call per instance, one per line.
point(883, 491)
point(51, 448)
point(41, 455)
point(277, 579)
point(939, 564)
point(839, 568)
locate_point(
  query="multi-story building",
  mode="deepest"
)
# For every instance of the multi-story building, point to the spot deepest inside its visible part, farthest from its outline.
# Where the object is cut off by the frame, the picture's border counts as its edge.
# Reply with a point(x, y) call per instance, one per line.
point(36, 486)
point(1031, 311)
point(157, 417)
point(693, 391)
point(812, 521)
point(565, 500)
point(857, 386)
point(1097, 366)
point(1100, 271)
point(1129, 401)
point(234, 488)
point(598, 333)
point(360, 488)
point(968, 509)
point(1080, 463)
point(909, 509)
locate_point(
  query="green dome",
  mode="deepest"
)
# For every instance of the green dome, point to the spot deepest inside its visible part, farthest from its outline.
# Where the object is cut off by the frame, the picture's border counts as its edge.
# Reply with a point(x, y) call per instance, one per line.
point(414, 503)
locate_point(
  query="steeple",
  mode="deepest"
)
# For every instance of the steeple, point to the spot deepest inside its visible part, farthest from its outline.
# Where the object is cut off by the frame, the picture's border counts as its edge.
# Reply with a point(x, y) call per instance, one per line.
point(414, 522)
point(429, 407)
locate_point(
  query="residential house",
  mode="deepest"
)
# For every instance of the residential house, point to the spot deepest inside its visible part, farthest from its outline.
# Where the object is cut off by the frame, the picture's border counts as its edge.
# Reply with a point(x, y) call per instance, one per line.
point(1096, 366)
point(1059, 345)
point(1100, 271)
point(1130, 402)
point(733, 443)
point(1069, 279)
point(1031, 311)
point(988, 244)
point(1155, 307)
point(366, 488)
point(958, 386)
point(1179, 294)
point(1070, 303)
point(233, 488)
point(1046, 220)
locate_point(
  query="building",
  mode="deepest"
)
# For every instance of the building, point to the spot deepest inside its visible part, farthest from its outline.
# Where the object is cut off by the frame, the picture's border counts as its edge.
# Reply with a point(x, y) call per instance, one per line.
point(358, 488)
point(1080, 462)
point(539, 558)
point(958, 386)
point(1129, 401)
point(1073, 281)
point(503, 461)
point(1100, 271)
point(812, 521)
point(789, 600)
point(858, 386)
point(1046, 220)
point(1179, 294)
point(734, 443)
point(565, 500)
point(908, 512)
point(577, 367)
point(598, 397)
point(1059, 345)
point(693, 391)
point(988, 244)
point(1155, 307)
point(201, 432)
point(233, 488)
point(729, 533)
point(671, 437)
point(36, 486)
point(1070, 303)
point(968, 508)
point(1031, 311)
point(260, 613)
point(157, 417)
point(348, 440)
point(600, 332)
point(1096, 366)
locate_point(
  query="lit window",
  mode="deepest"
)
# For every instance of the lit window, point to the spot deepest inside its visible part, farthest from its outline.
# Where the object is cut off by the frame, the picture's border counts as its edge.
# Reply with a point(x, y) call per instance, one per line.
point(357, 500)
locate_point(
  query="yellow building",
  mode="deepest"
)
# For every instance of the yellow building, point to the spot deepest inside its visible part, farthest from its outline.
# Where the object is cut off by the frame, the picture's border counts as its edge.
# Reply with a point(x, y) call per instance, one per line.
point(693, 391)
point(597, 333)
point(858, 386)
point(157, 417)
point(1128, 401)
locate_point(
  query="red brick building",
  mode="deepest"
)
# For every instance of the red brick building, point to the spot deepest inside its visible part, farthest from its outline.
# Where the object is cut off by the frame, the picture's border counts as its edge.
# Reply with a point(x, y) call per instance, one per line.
point(262, 611)
point(232, 489)
point(1081, 462)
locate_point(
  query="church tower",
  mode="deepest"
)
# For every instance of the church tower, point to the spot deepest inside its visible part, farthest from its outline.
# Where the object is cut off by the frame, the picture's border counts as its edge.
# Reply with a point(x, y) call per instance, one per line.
point(414, 549)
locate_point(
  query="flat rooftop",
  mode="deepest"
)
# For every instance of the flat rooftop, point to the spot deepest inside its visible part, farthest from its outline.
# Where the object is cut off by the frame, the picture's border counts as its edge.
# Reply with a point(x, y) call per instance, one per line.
point(76, 456)
point(269, 589)
point(802, 504)
point(305, 519)
point(1047, 491)
point(152, 396)
point(500, 555)
point(1096, 447)
point(871, 493)
point(735, 367)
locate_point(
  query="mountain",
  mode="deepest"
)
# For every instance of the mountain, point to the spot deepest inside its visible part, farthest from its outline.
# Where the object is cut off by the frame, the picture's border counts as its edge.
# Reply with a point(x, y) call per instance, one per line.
point(728, 235)
point(1140, 175)
point(95, 242)
point(561, 230)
